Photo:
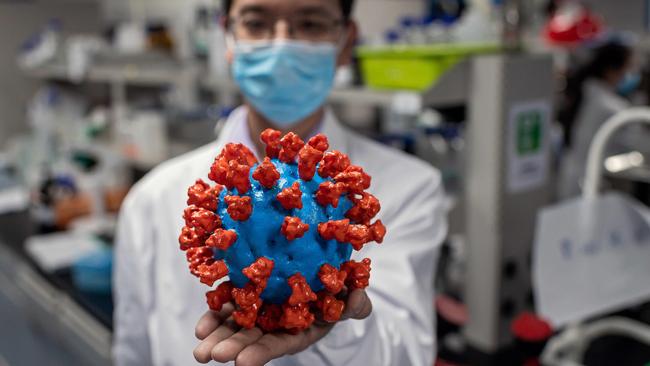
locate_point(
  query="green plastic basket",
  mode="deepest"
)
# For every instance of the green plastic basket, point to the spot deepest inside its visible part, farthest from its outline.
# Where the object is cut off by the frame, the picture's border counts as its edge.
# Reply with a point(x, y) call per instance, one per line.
point(413, 67)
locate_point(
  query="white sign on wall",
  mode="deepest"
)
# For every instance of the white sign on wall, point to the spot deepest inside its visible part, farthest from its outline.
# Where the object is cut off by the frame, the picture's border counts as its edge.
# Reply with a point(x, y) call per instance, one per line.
point(528, 145)
point(591, 257)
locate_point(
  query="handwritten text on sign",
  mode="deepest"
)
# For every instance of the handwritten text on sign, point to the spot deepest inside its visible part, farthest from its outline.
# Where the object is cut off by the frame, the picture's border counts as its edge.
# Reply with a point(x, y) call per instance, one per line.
point(591, 257)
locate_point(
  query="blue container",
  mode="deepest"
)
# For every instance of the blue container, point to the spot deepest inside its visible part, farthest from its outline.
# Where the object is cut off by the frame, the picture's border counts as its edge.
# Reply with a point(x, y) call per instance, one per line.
point(92, 273)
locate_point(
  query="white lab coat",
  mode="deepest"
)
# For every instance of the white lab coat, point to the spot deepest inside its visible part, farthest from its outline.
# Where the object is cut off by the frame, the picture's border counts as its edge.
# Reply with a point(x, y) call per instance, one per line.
point(599, 102)
point(158, 301)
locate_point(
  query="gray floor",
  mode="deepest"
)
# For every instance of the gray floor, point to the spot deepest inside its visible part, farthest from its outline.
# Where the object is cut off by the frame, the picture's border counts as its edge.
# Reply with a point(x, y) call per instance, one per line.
point(21, 344)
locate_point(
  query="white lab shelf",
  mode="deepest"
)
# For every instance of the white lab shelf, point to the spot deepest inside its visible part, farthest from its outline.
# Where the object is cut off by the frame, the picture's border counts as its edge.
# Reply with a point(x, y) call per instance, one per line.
point(450, 89)
point(132, 73)
point(362, 96)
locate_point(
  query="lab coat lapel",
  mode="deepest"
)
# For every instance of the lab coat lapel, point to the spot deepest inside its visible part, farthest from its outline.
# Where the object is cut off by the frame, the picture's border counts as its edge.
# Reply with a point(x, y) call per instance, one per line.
point(232, 125)
point(337, 135)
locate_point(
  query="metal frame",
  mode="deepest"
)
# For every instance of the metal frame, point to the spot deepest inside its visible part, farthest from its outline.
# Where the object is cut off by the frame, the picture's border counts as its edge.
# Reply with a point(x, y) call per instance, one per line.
point(499, 224)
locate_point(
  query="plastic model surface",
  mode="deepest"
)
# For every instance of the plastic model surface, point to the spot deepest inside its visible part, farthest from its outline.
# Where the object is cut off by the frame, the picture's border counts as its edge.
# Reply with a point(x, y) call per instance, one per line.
point(283, 230)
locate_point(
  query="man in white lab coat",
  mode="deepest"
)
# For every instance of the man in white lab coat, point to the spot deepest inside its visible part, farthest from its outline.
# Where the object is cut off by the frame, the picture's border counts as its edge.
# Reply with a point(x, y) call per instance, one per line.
point(283, 55)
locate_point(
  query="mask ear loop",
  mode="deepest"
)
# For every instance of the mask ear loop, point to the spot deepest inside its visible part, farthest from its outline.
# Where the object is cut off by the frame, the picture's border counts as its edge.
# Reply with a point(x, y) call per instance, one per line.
point(231, 43)
point(342, 42)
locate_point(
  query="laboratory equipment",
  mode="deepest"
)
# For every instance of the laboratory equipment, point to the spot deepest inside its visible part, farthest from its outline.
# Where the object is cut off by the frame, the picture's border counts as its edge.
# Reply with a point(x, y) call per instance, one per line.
point(41, 47)
point(572, 24)
point(609, 246)
point(507, 180)
point(414, 67)
point(92, 273)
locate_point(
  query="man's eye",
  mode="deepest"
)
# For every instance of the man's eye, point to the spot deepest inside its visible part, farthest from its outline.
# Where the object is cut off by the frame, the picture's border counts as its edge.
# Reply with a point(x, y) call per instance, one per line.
point(311, 26)
point(255, 25)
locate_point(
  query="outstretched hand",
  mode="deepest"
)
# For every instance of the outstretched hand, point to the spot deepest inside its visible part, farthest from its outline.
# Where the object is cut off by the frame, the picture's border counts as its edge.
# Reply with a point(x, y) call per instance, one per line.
point(223, 340)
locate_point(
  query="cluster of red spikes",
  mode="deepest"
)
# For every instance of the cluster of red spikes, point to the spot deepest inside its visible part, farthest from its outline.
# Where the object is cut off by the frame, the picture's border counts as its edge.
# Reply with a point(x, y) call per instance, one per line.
point(203, 229)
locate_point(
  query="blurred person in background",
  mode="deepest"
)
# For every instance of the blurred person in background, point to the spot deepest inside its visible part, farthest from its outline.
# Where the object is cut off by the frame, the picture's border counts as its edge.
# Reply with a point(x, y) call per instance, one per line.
point(283, 56)
point(594, 93)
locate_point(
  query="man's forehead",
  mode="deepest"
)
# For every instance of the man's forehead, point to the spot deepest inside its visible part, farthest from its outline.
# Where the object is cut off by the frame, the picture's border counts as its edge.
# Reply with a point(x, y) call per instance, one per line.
point(331, 7)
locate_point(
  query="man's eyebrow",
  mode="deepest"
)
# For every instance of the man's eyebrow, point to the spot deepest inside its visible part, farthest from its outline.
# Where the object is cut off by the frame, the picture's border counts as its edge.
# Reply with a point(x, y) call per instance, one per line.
point(314, 10)
point(256, 9)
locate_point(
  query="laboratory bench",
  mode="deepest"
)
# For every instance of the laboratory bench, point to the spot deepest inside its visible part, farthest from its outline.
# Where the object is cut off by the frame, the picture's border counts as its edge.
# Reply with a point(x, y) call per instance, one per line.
point(74, 326)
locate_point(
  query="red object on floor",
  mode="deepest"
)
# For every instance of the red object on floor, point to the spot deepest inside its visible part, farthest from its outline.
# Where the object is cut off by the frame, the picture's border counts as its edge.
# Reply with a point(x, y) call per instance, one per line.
point(440, 362)
point(451, 310)
point(531, 328)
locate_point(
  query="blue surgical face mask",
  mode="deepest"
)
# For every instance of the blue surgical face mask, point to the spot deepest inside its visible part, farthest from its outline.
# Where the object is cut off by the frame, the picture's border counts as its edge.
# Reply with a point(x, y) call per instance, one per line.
point(628, 83)
point(285, 80)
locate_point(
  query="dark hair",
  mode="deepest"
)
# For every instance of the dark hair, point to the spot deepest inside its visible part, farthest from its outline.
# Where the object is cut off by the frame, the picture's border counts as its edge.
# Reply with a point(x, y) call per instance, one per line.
point(608, 57)
point(346, 7)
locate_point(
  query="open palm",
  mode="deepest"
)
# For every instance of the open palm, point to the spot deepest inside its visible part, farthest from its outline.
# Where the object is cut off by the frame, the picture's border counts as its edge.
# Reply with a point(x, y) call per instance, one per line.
point(223, 340)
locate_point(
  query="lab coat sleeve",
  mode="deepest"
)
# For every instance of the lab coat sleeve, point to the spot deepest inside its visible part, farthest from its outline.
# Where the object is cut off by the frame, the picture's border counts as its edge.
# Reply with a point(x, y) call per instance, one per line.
point(132, 283)
point(400, 329)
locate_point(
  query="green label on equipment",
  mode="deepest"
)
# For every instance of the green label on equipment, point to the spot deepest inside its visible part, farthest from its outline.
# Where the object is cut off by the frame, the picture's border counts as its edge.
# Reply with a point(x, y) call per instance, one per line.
point(528, 147)
point(529, 132)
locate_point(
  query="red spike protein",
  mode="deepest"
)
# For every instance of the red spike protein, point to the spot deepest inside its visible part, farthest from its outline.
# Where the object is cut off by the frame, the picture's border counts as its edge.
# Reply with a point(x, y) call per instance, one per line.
point(282, 230)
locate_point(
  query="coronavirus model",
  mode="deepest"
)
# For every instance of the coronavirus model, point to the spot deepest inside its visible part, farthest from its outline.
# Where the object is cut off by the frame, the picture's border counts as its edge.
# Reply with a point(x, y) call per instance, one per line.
point(283, 230)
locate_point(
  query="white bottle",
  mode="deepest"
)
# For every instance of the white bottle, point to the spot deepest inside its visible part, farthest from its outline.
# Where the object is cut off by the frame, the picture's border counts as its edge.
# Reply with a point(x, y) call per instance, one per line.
point(201, 32)
point(403, 113)
point(419, 34)
point(217, 50)
point(407, 29)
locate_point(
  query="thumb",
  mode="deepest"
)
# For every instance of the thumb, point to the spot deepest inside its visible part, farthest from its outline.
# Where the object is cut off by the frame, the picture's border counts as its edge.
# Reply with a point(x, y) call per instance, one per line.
point(358, 306)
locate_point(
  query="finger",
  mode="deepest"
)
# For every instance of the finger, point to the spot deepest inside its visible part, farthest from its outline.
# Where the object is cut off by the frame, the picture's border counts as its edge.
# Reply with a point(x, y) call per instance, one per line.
point(228, 349)
point(269, 347)
point(316, 332)
point(211, 320)
point(358, 305)
point(207, 324)
point(203, 352)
